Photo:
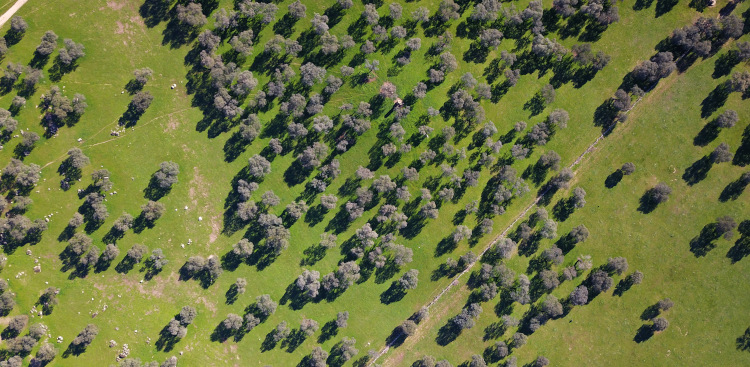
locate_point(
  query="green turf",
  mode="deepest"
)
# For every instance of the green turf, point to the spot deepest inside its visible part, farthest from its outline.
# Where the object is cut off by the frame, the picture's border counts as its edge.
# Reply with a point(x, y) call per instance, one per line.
point(117, 41)
point(707, 320)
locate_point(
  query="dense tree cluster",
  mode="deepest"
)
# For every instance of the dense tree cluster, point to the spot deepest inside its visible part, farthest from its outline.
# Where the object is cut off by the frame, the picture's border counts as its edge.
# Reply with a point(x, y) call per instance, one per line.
point(660, 66)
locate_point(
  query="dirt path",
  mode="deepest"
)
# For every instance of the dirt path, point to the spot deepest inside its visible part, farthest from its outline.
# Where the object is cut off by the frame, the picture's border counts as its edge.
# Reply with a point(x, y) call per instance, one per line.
point(13, 9)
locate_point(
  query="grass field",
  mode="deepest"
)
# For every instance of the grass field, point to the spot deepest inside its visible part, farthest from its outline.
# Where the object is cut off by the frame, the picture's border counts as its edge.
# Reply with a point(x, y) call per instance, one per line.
point(709, 291)
point(705, 324)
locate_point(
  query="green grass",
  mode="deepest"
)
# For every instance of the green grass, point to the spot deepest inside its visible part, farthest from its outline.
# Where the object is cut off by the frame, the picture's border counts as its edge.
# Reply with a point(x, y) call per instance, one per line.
point(117, 42)
point(708, 291)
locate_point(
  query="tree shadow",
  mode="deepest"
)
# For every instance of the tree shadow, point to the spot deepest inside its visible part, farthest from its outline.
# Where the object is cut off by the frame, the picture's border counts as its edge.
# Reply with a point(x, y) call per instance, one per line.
point(443, 271)
point(733, 190)
point(494, 331)
point(699, 5)
point(220, 333)
point(396, 338)
point(329, 330)
point(393, 294)
point(296, 174)
point(530, 246)
point(234, 147)
point(285, 25)
point(664, 6)
point(133, 86)
point(113, 235)
point(645, 332)
point(642, 4)
point(130, 117)
point(622, 286)
point(12, 37)
point(535, 105)
point(69, 172)
point(125, 265)
point(296, 297)
point(708, 133)
point(447, 334)
point(715, 99)
point(39, 61)
point(703, 243)
point(445, 246)
point(743, 341)
point(294, 340)
point(66, 234)
point(154, 12)
point(728, 9)
point(650, 312)
point(313, 254)
point(563, 209)
point(698, 171)
point(176, 34)
point(605, 116)
point(741, 247)
point(269, 343)
point(613, 179)
point(232, 294)
point(315, 215)
point(742, 155)
point(102, 264)
point(74, 350)
point(9, 333)
point(537, 173)
point(59, 69)
point(166, 341)
point(725, 63)
point(647, 204)
point(155, 192)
